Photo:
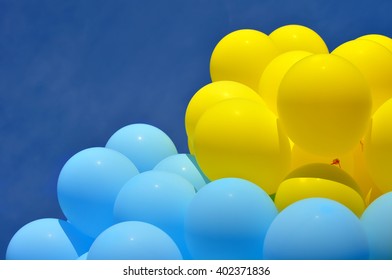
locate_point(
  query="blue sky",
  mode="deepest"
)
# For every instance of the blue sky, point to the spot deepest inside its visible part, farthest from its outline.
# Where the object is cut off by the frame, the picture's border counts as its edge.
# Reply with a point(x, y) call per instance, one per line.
point(74, 72)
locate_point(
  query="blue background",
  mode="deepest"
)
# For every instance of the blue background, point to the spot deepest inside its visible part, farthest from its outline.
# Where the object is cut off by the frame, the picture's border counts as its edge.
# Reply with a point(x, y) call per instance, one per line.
point(73, 72)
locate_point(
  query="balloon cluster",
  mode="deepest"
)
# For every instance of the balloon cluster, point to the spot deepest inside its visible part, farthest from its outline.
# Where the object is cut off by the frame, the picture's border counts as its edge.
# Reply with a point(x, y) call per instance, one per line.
point(289, 159)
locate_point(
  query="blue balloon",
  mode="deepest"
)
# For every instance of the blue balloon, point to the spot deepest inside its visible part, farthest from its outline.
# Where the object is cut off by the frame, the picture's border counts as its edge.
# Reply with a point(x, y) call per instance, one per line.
point(88, 186)
point(133, 240)
point(228, 219)
point(47, 239)
point(159, 198)
point(316, 229)
point(145, 145)
point(186, 166)
point(377, 221)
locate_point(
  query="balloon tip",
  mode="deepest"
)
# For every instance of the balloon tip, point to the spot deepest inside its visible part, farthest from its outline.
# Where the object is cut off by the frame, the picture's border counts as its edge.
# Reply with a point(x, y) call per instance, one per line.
point(336, 162)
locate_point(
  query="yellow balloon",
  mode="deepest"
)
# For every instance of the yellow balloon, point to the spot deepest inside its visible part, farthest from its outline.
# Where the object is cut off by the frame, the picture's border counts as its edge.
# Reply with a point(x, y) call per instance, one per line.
point(377, 147)
point(378, 38)
point(294, 189)
point(273, 74)
point(243, 139)
point(190, 146)
point(320, 180)
point(298, 37)
point(300, 157)
point(324, 171)
point(361, 175)
point(324, 104)
point(242, 56)
point(209, 95)
point(375, 63)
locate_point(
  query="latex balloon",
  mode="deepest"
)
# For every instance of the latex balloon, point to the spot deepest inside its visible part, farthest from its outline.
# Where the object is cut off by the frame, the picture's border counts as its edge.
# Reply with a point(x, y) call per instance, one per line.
point(145, 145)
point(186, 166)
point(324, 171)
point(377, 222)
point(243, 139)
point(377, 147)
point(298, 37)
point(242, 56)
point(361, 175)
point(47, 239)
point(378, 38)
point(133, 240)
point(375, 63)
point(320, 180)
point(228, 219)
point(324, 104)
point(295, 189)
point(299, 157)
point(213, 93)
point(210, 95)
point(159, 198)
point(88, 185)
point(273, 74)
point(190, 145)
point(316, 229)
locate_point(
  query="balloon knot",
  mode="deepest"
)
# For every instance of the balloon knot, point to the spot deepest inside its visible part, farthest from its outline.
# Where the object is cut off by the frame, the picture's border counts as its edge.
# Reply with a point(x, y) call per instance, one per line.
point(336, 162)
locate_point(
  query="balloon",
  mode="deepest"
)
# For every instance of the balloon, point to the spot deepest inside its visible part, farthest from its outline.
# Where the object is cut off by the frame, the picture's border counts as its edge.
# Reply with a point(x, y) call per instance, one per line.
point(299, 157)
point(273, 74)
point(210, 95)
point(377, 222)
point(297, 37)
point(324, 104)
point(241, 138)
point(324, 171)
point(88, 186)
point(159, 198)
point(361, 175)
point(383, 40)
point(186, 166)
point(145, 145)
point(47, 239)
point(241, 56)
point(320, 180)
point(377, 147)
point(190, 146)
point(375, 63)
point(228, 219)
point(295, 189)
point(133, 240)
point(316, 229)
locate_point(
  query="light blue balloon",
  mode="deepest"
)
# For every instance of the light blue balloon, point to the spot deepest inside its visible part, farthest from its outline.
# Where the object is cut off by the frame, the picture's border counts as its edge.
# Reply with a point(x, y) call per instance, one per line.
point(47, 239)
point(228, 219)
point(145, 145)
point(316, 229)
point(133, 240)
point(377, 221)
point(159, 198)
point(88, 186)
point(186, 166)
